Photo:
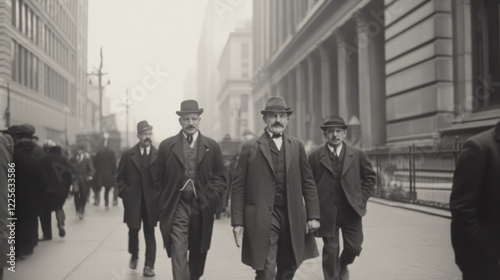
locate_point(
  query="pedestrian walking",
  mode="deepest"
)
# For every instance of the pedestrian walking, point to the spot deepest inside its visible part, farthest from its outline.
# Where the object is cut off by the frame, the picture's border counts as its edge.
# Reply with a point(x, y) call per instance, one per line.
point(105, 172)
point(475, 207)
point(135, 181)
point(274, 204)
point(29, 188)
point(56, 175)
point(189, 184)
point(345, 180)
point(6, 184)
point(83, 173)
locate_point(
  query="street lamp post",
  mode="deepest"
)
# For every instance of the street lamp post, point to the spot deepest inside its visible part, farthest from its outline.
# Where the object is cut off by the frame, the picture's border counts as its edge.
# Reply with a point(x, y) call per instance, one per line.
point(99, 75)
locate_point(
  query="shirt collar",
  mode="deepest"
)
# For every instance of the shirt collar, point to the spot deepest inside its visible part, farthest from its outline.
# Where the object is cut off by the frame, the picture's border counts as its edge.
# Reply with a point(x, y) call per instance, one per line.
point(195, 136)
point(271, 134)
point(338, 150)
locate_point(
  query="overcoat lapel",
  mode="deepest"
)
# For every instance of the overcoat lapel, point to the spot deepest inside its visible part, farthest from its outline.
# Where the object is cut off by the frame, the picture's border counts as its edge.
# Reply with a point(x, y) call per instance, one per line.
point(264, 147)
point(154, 154)
point(136, 157)
point(325, 159)
point(288, 150)
point(202, 148)
point(177, 149)
point(348, 159)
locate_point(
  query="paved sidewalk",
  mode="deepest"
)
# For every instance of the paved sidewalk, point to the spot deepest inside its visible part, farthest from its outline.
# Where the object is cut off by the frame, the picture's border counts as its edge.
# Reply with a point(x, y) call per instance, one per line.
point(399, 245)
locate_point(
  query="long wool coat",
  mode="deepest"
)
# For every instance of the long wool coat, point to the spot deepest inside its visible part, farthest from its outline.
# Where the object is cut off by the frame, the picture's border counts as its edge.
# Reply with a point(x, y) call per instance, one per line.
point(105, 167)
point(357, 180)
point(252, 199)
point(210, 183)
point(475, 202)
point(131, 186)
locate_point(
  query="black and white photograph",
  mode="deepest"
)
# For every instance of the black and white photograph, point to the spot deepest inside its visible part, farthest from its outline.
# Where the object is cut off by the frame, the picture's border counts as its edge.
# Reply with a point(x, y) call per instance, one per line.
point(250, 139)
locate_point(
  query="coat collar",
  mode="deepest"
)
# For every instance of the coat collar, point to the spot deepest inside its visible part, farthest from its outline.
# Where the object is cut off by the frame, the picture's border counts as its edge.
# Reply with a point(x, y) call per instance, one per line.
point(348, 158)
point(135, 154)
point(202, 147)
point(324, 158)
point(263, 143)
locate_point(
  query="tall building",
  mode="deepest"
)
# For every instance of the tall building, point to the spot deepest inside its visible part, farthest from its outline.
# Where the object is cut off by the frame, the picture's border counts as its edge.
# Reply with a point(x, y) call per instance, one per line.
point(43, 62)
point(400, 71)
point(234, 96)
point(221, 18)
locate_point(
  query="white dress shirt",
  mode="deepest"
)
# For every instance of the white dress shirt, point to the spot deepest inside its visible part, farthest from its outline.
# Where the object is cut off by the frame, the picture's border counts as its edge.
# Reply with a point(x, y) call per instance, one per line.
point(195, 137)
point(338, 150)
point(148, 150)
point(277, 141)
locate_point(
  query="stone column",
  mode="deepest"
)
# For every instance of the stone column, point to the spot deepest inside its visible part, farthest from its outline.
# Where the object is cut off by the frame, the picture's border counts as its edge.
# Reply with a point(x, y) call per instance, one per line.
point(371, 62)
point(344, 82)
point(300, 87)
point(326, 91)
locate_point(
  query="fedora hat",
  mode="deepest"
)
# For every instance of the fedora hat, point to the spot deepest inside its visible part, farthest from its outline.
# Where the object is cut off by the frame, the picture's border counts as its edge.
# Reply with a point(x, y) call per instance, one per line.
point(189, 107)
point(276, 104)
point(334, 121)
point(142, 126)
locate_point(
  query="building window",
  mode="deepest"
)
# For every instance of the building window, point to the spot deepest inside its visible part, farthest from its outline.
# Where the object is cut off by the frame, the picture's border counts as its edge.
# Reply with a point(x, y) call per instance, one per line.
point(486, 55)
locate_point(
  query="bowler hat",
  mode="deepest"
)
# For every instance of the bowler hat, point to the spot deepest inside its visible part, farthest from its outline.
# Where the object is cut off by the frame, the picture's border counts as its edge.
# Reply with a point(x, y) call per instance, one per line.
point(334, 121)
point(142, 126)
point(276, 104)
point(189, 107)
point(20, 131)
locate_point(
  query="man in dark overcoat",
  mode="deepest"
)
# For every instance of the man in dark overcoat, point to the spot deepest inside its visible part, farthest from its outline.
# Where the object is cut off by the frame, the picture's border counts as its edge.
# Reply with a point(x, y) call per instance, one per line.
point(189, 184)
point(136, 188)
point(105, 172)
point(475, 207)
point(29, 187)
point(56, 175)
point(83, 173)
point(345, 180)
point(7, 188)
point(274, 204)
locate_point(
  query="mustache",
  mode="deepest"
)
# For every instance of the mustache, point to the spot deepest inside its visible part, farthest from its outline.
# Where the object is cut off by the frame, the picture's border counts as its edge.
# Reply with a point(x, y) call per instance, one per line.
point(147, 139)
point(278, 125)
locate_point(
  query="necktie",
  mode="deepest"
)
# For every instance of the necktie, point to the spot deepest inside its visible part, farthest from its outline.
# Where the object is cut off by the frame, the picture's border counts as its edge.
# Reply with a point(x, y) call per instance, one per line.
point(276, 135)
point(190, 139)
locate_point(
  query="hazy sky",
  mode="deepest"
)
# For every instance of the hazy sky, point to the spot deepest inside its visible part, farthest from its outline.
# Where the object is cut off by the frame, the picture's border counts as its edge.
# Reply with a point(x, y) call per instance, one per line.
point(148, 46)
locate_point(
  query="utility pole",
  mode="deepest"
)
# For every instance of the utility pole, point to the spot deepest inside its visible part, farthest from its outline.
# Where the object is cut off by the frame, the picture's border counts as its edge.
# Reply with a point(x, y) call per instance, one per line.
point(7, 109)
point(99, 75)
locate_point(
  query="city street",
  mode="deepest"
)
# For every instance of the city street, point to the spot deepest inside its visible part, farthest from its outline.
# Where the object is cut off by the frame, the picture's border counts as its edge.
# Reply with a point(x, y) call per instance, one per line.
point(399, 244)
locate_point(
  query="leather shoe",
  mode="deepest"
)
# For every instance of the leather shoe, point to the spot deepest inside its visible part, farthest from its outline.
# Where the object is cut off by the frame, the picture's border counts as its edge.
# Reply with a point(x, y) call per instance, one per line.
point(62, 232)
point(148, 272)
point(344, 273)
point(133, 263)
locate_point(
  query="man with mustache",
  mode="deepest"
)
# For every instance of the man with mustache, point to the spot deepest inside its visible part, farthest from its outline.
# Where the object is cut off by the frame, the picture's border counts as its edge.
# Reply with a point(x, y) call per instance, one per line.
point(345, 179)
point(189, 185)
point(274, 204)
point(135, 179)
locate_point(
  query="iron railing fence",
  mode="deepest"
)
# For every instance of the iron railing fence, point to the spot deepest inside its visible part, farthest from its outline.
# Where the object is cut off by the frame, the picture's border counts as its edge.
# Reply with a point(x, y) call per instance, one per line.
point(418, 173)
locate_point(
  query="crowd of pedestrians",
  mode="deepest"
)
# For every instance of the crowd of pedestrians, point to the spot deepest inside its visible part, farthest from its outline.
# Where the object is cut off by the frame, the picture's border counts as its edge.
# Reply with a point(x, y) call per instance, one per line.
point(280, 194)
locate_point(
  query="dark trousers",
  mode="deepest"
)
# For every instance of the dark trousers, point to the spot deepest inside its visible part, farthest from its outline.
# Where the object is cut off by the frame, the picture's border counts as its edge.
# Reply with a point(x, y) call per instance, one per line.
point(106, 194)
point(186, 235)
point(352, 234)
point(97, 193)
point(280, 259)
point(149, 237)
point(52, 202)
point(81, 199)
